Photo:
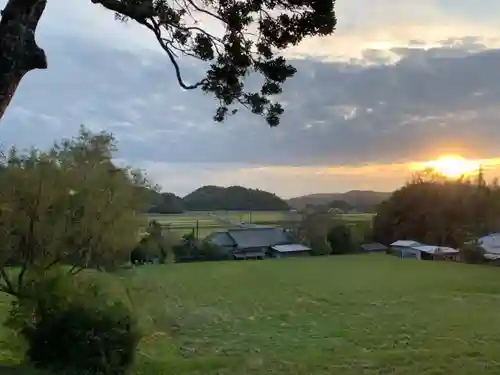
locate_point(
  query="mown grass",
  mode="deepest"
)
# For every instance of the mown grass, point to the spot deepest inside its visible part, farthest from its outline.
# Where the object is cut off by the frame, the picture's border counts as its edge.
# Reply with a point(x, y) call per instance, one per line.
point(337, 315)
point(345, 315)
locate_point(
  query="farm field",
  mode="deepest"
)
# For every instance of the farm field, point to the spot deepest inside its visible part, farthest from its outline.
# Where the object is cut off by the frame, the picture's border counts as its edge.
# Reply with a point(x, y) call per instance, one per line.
point(209, 222)
point(345, 315)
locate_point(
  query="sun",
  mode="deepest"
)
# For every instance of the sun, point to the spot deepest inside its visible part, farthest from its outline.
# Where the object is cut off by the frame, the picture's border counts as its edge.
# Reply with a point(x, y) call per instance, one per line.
point(452, 166)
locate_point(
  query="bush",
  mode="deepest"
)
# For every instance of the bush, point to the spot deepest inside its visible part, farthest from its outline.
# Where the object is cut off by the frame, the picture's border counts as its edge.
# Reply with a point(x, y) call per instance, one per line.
point(72, 331)
point(210, 251)
point(340, 239)
point(472, 254)
point(319, 246)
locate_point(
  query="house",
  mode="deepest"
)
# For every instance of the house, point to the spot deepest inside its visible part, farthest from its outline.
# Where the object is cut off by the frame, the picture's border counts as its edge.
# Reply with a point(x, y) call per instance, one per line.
point(428, 252)
point(373, 248)
point(414, 250)
point(405, 249)
point(256, 242)
point(490, 244)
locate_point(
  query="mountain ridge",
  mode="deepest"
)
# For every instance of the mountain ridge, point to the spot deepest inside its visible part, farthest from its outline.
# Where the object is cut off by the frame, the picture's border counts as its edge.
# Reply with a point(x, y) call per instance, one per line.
point(362, 200)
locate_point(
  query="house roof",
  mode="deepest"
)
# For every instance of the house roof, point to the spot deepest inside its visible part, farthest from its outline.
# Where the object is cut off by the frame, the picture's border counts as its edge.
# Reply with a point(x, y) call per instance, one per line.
point(490, 243)
point(292, 248)
point(490, 256)
point(406, 243)
point(259, 237)
point(373, 247)
point(436, 249)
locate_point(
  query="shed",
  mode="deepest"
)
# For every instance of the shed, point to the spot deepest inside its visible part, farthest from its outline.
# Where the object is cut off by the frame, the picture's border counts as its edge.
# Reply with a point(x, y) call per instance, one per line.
point(405, 249)
point(373, 248)
point(429, 252)
point(490, 245)
point(291, 250)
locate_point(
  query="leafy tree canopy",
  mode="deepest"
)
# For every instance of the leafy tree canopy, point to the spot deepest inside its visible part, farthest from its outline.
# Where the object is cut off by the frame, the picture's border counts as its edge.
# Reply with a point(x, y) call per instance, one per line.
point(68, 205)
point(435, 210)
point(248, 37)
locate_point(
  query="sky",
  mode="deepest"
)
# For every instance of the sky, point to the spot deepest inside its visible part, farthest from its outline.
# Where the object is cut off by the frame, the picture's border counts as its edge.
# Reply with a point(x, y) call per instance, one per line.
point(400, 81)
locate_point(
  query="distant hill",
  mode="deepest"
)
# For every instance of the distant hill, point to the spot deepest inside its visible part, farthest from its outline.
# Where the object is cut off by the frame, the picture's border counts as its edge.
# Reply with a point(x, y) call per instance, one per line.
point(361, 200)
point(165, 203)
point(213, 198)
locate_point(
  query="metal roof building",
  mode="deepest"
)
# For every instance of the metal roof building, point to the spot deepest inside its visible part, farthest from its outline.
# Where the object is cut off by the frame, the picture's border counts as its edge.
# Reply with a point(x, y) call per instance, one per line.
point(257, 242)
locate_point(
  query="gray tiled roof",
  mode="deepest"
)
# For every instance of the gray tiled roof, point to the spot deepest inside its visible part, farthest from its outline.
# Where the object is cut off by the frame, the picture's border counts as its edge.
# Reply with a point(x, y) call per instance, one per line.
point(259, 237)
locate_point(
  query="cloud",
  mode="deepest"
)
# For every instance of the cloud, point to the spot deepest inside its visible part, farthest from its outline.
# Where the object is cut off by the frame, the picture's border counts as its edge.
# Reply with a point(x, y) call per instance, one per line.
point(398, 82)
point(380, 26)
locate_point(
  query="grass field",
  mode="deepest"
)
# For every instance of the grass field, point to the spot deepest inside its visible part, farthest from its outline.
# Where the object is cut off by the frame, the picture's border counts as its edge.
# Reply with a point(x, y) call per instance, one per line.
point(345, 315)
point(209, 222)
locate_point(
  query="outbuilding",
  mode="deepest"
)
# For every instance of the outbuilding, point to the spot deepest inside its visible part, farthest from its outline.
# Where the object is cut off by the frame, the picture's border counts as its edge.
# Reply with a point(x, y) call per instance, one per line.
point(373, 248)
point(405, 249)
point(490, 244)
point(428, 252)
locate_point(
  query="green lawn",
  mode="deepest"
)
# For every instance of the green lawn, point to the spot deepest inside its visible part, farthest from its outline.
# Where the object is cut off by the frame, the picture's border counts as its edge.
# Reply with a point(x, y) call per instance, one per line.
point(337, 315)
point(345, 315)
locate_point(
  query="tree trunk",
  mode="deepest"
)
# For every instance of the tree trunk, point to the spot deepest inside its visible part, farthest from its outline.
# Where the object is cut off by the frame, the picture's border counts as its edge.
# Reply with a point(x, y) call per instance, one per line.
point(19, 52)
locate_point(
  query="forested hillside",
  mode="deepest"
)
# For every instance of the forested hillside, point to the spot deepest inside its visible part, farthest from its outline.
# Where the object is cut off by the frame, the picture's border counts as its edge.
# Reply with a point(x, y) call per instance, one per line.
point(361, 200)
point(215, 198)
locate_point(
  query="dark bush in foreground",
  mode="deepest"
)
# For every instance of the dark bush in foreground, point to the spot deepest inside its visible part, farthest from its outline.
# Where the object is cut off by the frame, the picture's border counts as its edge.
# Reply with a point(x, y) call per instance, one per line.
point(340, 240)
point(75, 332)
point(472, 254)
point(319, 246)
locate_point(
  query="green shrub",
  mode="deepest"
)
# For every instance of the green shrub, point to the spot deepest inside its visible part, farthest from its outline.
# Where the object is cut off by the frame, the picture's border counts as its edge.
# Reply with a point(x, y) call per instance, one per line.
point(73, 328)
point(210, 251)
point(319, 246)
point(340, 239)
point(472, 254)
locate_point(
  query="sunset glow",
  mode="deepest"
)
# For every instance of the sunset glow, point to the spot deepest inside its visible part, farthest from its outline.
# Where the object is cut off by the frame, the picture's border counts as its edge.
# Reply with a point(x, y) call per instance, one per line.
point(452, 166)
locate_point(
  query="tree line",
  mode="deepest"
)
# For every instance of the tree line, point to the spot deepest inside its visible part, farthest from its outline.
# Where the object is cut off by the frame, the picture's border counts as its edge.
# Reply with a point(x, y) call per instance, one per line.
point(437, 210)
point(216, 198)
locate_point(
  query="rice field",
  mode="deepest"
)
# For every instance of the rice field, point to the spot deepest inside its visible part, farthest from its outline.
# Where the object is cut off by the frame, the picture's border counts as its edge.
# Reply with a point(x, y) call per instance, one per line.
point(207, 222)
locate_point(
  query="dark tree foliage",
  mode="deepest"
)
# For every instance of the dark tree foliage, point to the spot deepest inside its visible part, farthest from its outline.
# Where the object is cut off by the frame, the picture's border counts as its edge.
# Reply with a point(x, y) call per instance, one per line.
point(165, 203)
point(340, 239)
point(213, 198)
point(253, 33)
point(340, 204)
point(438, 211)
point(335, 204)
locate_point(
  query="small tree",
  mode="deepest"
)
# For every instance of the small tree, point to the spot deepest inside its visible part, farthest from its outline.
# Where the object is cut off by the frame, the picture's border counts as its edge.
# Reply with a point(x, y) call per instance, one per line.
point(69, 205)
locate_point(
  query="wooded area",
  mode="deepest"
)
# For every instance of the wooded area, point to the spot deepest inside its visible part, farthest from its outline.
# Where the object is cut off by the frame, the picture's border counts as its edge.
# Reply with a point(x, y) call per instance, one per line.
point(442, 211)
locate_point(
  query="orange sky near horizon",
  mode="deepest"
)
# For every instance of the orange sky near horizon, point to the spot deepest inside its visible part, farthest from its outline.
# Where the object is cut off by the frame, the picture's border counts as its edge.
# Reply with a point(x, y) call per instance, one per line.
point(292, 181)
point(378, 177)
